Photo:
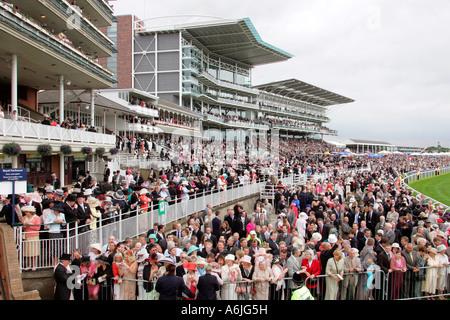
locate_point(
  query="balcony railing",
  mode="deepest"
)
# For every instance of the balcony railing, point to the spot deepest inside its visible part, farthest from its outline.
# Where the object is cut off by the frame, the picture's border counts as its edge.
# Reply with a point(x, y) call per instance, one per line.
point(22, 129)
point(228, 85)
point(144, 110)
point(32, 28)
point(145, 128)
point(297, 114)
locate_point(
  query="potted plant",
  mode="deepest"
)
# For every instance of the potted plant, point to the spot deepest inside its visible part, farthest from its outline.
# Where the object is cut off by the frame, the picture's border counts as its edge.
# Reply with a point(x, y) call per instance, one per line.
point(86, 150)
point(11, 149)
point(113, 151)
point(44, 150)
point(100, 151)
point(66, 149)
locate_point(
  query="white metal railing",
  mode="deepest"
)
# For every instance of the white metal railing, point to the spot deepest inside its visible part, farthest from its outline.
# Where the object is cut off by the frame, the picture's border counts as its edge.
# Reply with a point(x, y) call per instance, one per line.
point(127, 224)
point(22, 129)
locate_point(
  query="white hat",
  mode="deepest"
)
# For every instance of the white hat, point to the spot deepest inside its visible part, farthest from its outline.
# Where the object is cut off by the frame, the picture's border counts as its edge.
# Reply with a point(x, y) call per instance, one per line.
point(97, 246)
point(143, 191)
point(395, 245)
point(332, 238)
point(88, 192)
point(229, 257)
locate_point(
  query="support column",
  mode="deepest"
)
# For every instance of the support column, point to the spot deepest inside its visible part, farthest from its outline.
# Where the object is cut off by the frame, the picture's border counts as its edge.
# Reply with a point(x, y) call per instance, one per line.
point(13, 83)
point(61, 99)
point(62, 174)
point(92, 108)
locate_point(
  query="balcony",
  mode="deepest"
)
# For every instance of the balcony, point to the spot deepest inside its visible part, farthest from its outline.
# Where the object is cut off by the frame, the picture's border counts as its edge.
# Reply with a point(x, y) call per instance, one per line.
point(307, 129)
point(216, 100)
point(98, 10)
point(44, 54)
point(144, 111)
point(33, 132)
point(295, 114)
point(144, 128)
point(61, 17)
point(213, 82)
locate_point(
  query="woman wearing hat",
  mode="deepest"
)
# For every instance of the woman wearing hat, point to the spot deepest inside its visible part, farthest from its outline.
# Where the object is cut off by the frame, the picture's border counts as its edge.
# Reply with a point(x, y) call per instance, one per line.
point(262, 276)
point(103, 276)
point(277, 284)
point(398, 266)
point(150, 275)
point(94, 206)
point(128, 274)
point(191, 279)
point(55, 220)
point(117, 264)
point(230, 274)
point(429, 286)
point(246, 268)
point(31, 245)
point(443, 270)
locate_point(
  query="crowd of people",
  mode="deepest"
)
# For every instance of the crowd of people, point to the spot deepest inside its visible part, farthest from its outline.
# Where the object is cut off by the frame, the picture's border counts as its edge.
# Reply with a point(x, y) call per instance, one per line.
point(337, 233)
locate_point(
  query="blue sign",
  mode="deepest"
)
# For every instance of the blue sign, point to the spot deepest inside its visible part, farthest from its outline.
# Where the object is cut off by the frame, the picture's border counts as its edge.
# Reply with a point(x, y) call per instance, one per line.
point(18, 174)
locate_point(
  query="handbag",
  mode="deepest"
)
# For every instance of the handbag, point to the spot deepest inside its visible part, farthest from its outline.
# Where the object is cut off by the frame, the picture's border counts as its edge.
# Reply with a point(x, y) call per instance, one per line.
point(241, 288)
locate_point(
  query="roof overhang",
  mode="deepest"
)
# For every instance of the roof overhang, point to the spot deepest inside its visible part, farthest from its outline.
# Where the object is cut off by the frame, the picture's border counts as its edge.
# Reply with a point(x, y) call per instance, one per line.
point(83, 97)
point(302, 91)
point(236, 40)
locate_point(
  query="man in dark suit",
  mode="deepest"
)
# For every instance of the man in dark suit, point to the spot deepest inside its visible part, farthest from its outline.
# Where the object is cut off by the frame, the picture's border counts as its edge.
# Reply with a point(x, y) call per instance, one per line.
point(323, 229)
point(383, 258)
point(211, 236)
point(207, 285)
point(233, 221)
point(273, 244)
point(285, 236)
point(216, 223)
point(62, 273)
point(197, 232)
point(71, 212)
point(169, 285)
point(83, 213)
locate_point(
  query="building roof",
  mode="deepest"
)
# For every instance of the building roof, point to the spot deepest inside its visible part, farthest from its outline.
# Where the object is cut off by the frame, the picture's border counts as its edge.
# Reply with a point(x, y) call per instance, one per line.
point(368, 142)
point(299, 90)
point(234, 39)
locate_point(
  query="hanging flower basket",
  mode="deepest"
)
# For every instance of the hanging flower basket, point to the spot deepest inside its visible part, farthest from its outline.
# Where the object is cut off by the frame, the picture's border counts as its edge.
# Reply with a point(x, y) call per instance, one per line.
point(100, 151)
point(86, 150)
point(66, 149)
point(44, 150)
point(113, 151)
point(11, 149)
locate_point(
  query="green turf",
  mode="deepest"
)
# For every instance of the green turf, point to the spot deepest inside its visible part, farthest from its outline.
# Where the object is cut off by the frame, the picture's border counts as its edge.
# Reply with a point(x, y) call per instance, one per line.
point(437, 187)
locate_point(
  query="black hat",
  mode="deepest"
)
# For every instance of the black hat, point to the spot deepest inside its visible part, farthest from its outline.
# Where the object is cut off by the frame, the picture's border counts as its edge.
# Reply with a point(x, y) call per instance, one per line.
point(297, 279)
point(102, 259)
point(71, 197)
point(85, 259)
point(58, 207)
point(80, 195)
point(65, 256)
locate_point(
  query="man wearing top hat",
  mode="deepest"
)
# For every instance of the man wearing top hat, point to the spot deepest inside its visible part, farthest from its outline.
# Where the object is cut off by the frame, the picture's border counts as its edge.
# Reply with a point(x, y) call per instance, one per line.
point(83, 212)
point(7, 210)
point(62, 273)
point(71, 212)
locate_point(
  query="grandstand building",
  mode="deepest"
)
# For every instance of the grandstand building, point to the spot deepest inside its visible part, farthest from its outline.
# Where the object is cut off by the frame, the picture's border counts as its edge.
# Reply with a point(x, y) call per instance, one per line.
point(204, 65)
point(54, 46)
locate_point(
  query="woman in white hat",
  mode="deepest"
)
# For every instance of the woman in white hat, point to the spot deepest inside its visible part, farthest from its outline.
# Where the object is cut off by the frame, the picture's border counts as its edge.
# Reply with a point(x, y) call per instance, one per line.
point(262, 276)
point(31, 245)
point(443, 270)
point(246, 268)
point(230, 274)
point(398, 266)
point(430, 283)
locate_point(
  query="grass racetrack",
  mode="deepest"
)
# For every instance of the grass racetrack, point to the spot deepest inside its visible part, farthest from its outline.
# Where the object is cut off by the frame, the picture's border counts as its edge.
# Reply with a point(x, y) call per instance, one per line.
point(437, 187)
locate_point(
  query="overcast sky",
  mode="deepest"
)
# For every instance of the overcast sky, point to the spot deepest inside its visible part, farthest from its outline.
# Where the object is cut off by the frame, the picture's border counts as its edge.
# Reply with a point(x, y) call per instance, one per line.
point(391, 57)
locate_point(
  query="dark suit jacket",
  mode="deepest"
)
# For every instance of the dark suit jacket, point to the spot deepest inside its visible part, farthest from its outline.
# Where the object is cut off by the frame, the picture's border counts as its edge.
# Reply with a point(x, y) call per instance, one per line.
point(169, 286)
point(207, 287)
point(70, 214)
point(62, 292)
point(384, 262)
point(274, 246)
point(216, 222)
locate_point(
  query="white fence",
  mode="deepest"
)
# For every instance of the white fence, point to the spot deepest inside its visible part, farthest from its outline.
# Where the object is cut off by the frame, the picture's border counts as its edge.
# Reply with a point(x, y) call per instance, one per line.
point(127, 224)
point(25, 129)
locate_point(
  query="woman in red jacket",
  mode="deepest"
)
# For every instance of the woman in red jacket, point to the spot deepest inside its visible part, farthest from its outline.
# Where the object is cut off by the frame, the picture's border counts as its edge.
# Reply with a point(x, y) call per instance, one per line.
point(312, 271)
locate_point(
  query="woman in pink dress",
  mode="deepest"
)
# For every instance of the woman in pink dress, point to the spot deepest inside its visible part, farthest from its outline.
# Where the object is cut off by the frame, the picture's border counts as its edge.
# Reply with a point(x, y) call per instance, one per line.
point(31, 246)
point(398, 266)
